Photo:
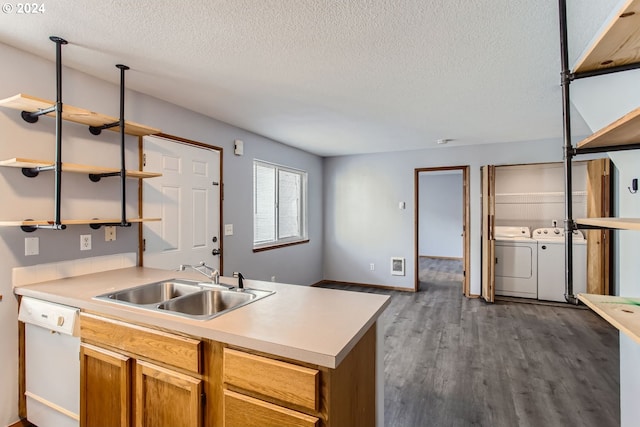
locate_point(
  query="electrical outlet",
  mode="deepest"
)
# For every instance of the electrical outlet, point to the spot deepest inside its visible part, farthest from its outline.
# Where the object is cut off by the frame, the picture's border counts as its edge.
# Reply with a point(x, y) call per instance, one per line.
point(85, 242)
point(273, 278)
point(372, 266)
point(109, 233)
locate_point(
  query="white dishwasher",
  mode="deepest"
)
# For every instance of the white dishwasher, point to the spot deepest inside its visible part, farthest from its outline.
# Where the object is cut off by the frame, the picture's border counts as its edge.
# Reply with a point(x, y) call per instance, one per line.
point(52, 363)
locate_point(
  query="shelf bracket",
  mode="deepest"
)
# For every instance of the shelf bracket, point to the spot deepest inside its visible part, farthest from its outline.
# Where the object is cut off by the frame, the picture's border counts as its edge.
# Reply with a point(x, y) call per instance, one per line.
point(604, 71)
point(32, 228)
point(33, 172)
point(96, 226)
point(32, 117)
point(97, 130)
point(589, 150)
point(96, 177)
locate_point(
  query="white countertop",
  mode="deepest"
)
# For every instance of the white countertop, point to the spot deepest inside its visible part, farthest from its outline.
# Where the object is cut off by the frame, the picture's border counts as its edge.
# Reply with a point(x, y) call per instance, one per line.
point(313, 325)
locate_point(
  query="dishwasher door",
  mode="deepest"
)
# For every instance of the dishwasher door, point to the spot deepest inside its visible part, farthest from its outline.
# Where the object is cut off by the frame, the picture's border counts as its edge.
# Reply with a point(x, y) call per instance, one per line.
point(52, 363)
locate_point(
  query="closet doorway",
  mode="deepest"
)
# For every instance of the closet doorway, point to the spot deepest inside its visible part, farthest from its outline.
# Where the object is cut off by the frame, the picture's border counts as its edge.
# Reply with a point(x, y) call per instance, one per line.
point(442, 220)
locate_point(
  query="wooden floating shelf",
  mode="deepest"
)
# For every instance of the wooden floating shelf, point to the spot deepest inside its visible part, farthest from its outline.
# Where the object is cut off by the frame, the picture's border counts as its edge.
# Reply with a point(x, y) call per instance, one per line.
point(18, 162)
point(621, 312)
point(619, 42)
point(624, 131)
point(617, 223)
point(74, 221)
point(33, 104)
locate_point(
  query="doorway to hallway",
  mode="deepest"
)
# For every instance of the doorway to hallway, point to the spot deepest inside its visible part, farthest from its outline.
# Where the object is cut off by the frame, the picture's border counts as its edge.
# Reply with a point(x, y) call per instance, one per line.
point(442, 219)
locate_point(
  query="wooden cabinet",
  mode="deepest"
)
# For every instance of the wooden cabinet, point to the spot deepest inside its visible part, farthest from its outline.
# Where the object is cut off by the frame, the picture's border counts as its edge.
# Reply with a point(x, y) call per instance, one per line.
point(261, 390)
point(166, 398)
point(287, 386)
point(245, 411)
point(105, 387)
point(141, 376)
point(134, 375)
point(286, 382)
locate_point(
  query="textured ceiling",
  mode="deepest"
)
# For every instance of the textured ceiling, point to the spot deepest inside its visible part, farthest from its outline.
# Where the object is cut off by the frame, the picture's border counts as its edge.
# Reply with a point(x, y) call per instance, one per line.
point(328, 76)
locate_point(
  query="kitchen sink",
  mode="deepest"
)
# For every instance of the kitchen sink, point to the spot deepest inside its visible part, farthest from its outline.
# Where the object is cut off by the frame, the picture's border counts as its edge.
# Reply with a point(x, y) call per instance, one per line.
point(210, 302)
point(154, 293)
point(187, 298)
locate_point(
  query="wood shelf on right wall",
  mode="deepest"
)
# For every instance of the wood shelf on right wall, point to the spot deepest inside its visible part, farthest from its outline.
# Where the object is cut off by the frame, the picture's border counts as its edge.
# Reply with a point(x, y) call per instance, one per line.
point(624, 131)
point(621, 312)
point(618, 43)
point(616, 223)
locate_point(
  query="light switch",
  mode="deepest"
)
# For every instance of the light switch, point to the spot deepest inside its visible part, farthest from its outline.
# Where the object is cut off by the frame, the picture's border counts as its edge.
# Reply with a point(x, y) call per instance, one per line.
point(238, 147)
point(31, 246)
point(228, 229)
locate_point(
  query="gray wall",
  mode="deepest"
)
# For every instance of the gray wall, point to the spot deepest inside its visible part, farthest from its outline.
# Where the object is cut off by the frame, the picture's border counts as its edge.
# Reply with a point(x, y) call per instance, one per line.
point(440, 214)
point(23, 198)
point(363, 224)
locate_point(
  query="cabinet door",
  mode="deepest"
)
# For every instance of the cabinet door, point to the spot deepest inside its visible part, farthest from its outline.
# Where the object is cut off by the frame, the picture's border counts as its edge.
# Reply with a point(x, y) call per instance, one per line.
point(105, 388)
point(166, 398)
point(245, 411)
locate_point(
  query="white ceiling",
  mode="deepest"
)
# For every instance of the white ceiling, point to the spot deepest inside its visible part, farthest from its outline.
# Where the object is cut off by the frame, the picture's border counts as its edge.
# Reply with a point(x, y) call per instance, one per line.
point(332, 77)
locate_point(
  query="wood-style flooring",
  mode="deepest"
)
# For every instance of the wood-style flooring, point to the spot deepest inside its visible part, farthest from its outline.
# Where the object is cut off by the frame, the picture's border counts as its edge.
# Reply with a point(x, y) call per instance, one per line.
point(453, 361)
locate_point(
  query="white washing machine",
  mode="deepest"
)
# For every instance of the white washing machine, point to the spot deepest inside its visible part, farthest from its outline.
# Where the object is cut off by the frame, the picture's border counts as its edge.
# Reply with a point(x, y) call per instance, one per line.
point(516, 267)
point(551, 263)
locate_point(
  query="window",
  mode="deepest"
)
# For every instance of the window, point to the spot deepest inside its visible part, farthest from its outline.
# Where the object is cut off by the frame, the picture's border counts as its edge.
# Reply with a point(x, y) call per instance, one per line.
point(279, 205)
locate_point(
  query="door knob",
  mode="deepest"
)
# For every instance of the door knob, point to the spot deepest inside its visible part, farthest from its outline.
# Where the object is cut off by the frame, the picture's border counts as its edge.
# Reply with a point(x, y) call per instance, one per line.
point(216, 252)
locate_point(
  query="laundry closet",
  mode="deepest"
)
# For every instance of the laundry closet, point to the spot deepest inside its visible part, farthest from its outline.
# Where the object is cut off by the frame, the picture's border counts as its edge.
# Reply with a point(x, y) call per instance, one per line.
point(529, 231)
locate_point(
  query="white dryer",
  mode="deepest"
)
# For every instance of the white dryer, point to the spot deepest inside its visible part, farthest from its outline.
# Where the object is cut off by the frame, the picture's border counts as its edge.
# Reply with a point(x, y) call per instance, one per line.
point(551, 263)
point(516, 267)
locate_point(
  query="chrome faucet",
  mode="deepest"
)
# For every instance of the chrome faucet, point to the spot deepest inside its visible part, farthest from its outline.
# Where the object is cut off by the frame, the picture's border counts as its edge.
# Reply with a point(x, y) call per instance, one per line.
point(213, 275)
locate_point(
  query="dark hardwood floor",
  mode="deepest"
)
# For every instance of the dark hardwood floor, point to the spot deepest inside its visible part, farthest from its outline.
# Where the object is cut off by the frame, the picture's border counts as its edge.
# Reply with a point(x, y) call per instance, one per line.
point(453, 361)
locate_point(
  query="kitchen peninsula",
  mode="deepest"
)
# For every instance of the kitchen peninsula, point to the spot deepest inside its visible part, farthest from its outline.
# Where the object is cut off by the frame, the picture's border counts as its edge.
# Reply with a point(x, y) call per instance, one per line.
point(302, 356)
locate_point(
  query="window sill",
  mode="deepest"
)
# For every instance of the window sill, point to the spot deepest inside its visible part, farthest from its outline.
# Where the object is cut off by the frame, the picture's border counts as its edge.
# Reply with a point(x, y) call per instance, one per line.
point(279, 245)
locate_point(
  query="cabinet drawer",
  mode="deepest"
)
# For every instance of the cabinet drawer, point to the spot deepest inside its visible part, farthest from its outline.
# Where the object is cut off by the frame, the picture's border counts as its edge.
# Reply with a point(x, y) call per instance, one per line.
point(245, 411)
point(170, 349)
point(280, 380)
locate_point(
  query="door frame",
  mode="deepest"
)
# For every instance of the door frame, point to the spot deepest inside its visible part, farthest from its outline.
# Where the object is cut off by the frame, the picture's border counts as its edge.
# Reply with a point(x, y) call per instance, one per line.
point(488, 181)
point(466, 263)
point(197, 144)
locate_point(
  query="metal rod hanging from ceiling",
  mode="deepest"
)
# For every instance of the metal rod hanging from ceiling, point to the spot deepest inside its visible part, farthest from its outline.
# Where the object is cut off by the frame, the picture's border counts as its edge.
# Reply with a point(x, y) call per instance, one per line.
point(567, 155)
point(123, 171)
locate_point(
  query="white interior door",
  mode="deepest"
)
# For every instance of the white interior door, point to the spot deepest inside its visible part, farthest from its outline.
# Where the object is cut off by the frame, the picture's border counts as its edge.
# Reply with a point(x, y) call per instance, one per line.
point(187, 198)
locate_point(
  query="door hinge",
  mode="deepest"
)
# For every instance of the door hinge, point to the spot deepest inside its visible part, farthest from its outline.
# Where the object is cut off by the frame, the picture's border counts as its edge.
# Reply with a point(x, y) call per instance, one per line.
point(144, 159)
point(144, 245)
point(203, 399)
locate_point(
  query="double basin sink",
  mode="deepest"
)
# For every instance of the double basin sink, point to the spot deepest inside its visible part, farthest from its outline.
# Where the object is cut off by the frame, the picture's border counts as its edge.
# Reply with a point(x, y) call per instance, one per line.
point(188, 298)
